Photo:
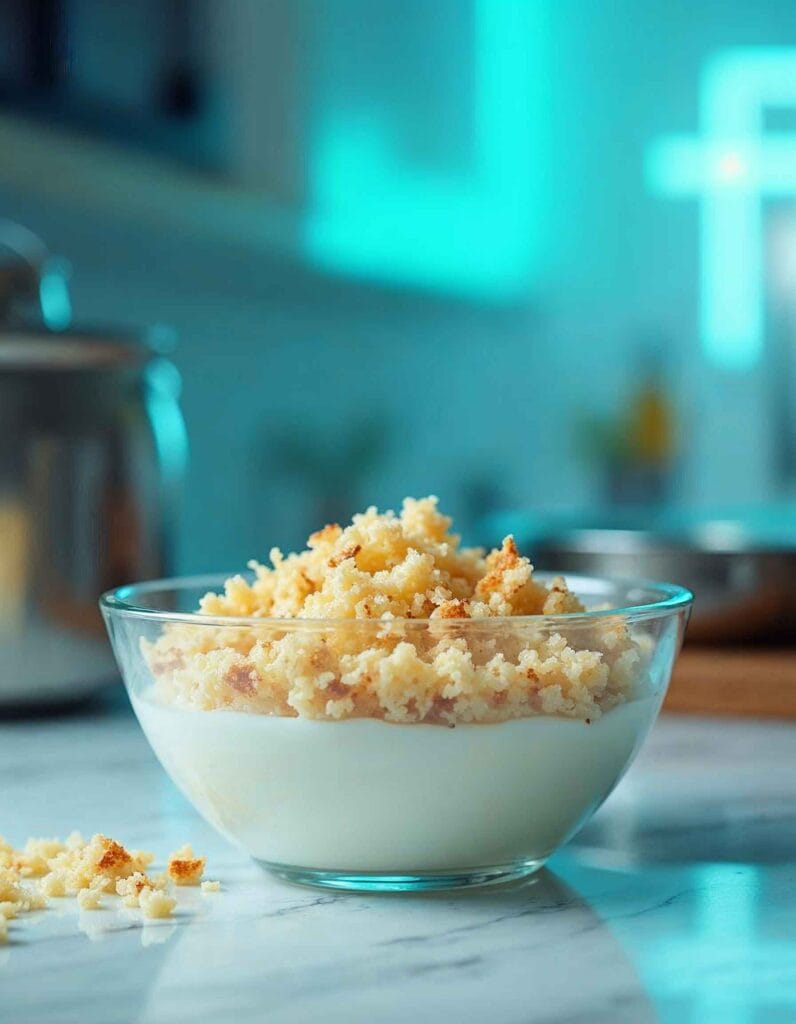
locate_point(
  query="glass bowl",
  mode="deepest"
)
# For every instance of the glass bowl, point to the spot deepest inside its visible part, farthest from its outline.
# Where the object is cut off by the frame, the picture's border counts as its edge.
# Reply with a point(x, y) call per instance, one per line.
point(470, 794)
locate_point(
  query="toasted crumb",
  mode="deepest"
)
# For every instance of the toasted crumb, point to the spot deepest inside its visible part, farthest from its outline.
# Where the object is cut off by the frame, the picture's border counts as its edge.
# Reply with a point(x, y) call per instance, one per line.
point(453, 610)
point(90, 898)
point(242, 678)
point(350, 552)
point(211, 886)
point(114, 857)
point(32, 861)
point(16, 895)
point(184, 868)
point(79, 863)
point(3, 931)
point(131, 888)
point(155, 903)
point(53, 884)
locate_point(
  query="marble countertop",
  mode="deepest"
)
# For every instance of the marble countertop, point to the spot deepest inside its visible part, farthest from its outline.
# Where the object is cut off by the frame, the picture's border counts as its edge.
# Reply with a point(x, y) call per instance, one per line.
point(677, 903)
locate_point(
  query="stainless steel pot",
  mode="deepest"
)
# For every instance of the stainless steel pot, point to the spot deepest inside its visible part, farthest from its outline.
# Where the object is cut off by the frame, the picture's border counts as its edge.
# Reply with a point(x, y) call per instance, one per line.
point(92, 455)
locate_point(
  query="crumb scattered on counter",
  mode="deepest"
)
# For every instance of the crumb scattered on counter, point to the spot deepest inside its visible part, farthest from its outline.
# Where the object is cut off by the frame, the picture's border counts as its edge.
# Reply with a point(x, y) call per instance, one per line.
point(155, 903)
point(184, 868)
point(88, 870)
point(90, 898)
point(130, 889)
point(211, 886)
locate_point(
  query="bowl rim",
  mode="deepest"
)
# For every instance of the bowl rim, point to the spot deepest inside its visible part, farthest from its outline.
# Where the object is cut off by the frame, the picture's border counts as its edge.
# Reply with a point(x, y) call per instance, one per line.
point(117, 601)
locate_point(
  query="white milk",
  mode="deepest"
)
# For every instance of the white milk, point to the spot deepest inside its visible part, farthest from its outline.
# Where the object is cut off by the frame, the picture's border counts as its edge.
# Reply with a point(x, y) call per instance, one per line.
point(367, 795)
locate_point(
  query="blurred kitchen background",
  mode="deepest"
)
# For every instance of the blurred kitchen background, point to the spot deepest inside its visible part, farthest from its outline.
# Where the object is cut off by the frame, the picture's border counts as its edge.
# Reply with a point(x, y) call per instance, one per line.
point(523, 254)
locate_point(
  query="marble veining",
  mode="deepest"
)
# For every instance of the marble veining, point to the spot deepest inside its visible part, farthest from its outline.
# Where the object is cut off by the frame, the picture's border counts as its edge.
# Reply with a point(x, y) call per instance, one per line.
point(677, 903)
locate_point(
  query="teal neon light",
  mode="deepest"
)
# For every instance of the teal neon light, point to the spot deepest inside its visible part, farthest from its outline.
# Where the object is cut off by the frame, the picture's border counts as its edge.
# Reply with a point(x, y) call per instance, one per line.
point(732, 167)
point(477, 231)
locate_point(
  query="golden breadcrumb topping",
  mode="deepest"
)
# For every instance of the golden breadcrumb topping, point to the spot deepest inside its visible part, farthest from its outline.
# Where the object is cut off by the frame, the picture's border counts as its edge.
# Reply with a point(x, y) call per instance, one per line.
point(387, 565)
point(88, 870)
point(472, 657)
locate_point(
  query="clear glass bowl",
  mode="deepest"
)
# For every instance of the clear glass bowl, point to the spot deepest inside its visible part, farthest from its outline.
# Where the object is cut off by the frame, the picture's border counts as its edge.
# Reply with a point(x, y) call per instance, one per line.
point(368, 803)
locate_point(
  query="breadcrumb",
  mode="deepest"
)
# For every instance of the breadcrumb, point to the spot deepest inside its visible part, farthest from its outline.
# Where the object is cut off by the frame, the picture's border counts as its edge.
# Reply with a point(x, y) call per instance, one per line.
point(16, 895)
point(211, 886)
point(130, 889)
point(76, 866)
point(90, 898)
point(184, 868)
point(87, 870)
point(53, 884)
point(155, 903)
point(472, 657)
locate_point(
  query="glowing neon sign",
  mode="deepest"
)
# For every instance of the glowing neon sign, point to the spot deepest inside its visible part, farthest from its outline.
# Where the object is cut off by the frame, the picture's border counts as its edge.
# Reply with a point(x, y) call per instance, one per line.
point(732, 167)
point(377, 214)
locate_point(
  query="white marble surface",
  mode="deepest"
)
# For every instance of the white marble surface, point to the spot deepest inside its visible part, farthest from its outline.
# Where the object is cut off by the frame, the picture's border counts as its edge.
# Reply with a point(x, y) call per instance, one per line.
point(677, 904)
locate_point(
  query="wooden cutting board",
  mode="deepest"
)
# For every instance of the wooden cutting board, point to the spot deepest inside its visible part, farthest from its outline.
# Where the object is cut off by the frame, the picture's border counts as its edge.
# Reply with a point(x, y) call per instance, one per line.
point(734, 681)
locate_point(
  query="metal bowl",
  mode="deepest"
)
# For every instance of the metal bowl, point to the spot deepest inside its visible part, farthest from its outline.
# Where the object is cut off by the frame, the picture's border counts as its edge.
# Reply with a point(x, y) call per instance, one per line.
point(740, 595)
point(741, 569)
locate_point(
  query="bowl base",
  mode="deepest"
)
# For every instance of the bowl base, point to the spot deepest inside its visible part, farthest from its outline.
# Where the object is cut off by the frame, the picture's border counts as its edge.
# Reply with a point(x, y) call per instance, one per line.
point(421, 881)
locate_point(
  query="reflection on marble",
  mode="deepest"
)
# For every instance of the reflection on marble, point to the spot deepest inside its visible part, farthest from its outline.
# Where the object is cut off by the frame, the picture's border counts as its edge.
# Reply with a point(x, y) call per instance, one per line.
point(711, 793)
point(677, 904)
